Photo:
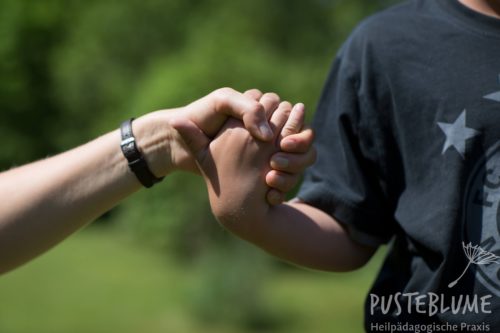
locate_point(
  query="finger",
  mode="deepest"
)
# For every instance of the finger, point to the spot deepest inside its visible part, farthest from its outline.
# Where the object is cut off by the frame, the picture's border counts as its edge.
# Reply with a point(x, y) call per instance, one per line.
point(255, 94)
point(295, 122)
point(232, 103)
point(298, 143)
point(270, 102)
point(280, 116)
point(192, 136)
point(293, 163)
point(282, 181)
point(275, 197)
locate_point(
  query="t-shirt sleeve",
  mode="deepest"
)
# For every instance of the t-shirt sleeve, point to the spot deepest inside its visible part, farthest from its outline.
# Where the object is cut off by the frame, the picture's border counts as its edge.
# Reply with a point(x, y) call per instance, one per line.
point(346, 180)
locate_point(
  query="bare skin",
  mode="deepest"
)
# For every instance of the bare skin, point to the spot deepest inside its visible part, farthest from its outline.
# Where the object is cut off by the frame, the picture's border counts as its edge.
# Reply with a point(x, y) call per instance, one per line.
point(486, 7)
point(48, 200)
point(295, 232)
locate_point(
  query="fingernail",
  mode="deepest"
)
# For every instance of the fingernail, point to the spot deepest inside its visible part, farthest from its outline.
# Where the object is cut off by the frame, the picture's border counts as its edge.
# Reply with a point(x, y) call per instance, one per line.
point(279, 163)
point(265, 131)
point(300, 106)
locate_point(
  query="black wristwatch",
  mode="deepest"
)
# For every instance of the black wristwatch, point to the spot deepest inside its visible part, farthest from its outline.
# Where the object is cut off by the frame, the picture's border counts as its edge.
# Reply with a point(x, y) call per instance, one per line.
point(136, 161)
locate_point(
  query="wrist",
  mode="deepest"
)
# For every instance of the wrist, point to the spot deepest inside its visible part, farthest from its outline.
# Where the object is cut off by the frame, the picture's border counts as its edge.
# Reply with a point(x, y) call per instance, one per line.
point(154, 138)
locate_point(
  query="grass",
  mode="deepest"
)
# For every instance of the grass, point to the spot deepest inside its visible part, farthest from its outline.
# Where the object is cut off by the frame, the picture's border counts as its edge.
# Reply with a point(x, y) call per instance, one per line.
point(99, 281)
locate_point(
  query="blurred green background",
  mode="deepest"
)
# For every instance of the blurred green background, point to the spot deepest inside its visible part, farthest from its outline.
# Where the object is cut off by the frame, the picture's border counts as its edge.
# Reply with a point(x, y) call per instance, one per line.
point(71, 70)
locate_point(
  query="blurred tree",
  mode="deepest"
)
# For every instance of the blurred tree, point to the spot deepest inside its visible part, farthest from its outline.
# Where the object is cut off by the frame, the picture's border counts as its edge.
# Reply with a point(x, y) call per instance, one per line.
point(29, 32)
point(71, 70)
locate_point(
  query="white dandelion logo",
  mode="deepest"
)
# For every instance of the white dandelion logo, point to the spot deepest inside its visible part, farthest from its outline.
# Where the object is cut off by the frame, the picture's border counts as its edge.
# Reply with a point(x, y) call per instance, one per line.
point(477, 256)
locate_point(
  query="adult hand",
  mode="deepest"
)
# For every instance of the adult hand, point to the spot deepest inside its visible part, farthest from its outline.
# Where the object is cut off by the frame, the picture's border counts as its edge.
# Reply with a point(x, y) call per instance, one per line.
point(200, 121)
point(203, 119)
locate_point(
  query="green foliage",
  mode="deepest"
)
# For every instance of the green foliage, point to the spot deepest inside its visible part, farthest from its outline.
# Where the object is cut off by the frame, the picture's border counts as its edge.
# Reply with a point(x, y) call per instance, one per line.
point(71, 70)
point(28, 34)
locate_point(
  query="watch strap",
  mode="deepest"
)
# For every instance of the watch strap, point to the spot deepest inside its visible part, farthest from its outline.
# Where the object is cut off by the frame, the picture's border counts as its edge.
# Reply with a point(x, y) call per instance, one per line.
point(136, 161)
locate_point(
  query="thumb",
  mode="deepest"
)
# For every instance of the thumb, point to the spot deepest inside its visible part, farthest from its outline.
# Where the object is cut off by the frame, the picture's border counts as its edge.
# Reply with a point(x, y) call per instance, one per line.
point(197, 143)
point(192, 136)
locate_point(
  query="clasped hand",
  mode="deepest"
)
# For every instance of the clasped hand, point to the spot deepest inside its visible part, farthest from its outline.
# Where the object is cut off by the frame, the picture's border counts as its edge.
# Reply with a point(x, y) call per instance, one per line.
point(262, 143)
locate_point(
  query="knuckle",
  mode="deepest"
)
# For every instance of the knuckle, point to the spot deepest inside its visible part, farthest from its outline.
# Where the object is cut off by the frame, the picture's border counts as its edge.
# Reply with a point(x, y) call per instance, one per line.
point(221, 96)
point(287, 130)
point(255, 108)
point(286, 109)
point(224, 91)
point(253, 91)
point(271, 96)
point(291, 127)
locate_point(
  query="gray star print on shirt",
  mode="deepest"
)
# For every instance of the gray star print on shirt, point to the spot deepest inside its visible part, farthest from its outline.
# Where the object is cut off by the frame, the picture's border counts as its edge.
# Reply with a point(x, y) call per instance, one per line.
point(457, 134)
point(494, 96)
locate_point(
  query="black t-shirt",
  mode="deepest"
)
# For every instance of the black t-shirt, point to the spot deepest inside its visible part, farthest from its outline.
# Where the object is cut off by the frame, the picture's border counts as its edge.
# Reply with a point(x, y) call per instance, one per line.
point(408, 139)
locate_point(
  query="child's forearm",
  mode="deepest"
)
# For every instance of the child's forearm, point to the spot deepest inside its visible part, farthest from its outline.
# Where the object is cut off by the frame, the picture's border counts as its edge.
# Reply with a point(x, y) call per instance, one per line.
point(301, 234)
point(235, 166)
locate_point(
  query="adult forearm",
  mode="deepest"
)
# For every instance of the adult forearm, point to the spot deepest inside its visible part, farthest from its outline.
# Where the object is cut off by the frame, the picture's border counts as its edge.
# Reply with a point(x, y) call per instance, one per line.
point(302, 235)
point(49, 199)
point(46, 201)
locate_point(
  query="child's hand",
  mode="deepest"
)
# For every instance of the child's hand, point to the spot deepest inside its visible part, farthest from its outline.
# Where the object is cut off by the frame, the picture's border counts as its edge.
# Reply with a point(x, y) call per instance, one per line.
point(295, 155)
point(235, 165)
point(295, 143)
